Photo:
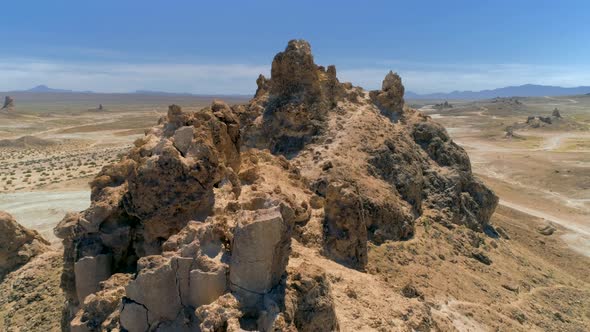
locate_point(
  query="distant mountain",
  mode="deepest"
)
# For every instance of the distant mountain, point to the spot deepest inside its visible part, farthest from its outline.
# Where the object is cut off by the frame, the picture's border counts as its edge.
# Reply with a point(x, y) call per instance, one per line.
point(527, 90)
point(46, 89)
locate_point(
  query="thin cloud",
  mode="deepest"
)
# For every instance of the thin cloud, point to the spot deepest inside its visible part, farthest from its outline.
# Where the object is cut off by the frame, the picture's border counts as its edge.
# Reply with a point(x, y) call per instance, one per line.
point(240, 78)
point(446, 78)
point(124, 77)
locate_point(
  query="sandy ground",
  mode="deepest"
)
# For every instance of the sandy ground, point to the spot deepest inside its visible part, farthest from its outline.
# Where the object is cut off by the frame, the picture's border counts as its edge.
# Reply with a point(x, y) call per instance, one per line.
point(42, 210)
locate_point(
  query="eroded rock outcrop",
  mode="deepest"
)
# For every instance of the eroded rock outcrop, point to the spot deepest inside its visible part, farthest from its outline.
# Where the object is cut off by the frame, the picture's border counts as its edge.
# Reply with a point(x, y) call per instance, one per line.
point(293, 103)
point(309, 303)
point(18, 244)
point(8, 103)
point(390, 99)
point(137, 204)
point(193, 229)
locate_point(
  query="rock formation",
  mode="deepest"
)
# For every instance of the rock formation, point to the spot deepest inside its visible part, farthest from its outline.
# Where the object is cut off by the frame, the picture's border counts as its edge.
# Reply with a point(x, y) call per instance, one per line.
point(17, 244)
point(26, 142)
point(391, 97)
point(556, 113)
point(441, 106)
point(8, 103)
point(193, 229)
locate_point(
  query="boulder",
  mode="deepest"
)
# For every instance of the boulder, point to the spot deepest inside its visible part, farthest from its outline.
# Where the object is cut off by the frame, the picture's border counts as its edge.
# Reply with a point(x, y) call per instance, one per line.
point(18, 244)
point(221, 315)
point(89, 272)
point(100, 311)
point(547, 230)
point(134, 317)
point(345, 226)
point(260, 253)
point(308, 300)
point(207, 286)
point(158, 275)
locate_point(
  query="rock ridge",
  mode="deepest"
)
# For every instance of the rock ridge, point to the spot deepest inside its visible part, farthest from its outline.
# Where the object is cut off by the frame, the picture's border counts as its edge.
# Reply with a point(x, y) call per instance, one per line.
point(194, 228)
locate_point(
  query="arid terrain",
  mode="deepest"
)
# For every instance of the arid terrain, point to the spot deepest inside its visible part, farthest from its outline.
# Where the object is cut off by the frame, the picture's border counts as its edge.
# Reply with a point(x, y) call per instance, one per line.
point(543, 172)
point(426, 256)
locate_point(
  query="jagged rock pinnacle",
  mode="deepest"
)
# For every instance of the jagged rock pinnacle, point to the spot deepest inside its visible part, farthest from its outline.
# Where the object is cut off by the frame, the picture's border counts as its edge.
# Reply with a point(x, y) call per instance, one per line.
point(391, 97)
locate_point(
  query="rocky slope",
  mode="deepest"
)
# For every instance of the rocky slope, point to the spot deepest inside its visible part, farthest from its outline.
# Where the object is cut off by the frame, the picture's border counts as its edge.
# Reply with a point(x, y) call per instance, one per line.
point(29, 279)
point(18, 244)
point(199, 227)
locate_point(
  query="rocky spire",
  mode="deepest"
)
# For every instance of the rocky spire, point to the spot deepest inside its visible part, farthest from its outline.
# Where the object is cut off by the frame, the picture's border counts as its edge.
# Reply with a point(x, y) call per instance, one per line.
point(8, 102)
point(390, 99)
point(294, 75)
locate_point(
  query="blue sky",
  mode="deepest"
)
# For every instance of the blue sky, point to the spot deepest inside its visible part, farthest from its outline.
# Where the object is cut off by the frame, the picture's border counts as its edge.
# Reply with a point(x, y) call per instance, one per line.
point(221, 46)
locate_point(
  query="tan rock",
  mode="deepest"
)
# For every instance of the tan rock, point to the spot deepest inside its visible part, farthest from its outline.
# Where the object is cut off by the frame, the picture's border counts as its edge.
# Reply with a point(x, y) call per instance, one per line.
point(346, 229)
point(260, 253)
point(309, 303)
point(134, 317)
point(17, 244)
point(158, 275)
point(206, 287)
point(390, 99)
point(223, 314)
point(89, 272)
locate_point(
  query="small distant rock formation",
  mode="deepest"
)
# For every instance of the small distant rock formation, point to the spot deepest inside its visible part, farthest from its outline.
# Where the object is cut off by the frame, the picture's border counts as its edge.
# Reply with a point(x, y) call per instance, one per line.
point(509, 132)
point(193, 229)
point(538, 121)
point(547, 229)
point(442, 106)
point(26, 142)
point(545, 119)
point(553, 122)
point(100, 108)
point(18, 244)
point(8, 103)
point(509, 100)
